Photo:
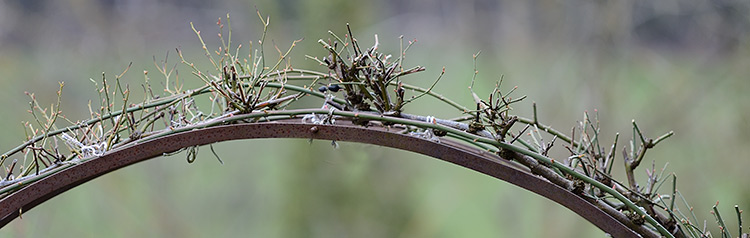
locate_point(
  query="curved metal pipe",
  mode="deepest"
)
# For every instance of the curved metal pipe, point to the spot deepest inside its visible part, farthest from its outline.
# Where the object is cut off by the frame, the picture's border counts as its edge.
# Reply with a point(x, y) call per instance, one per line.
point(447, 150)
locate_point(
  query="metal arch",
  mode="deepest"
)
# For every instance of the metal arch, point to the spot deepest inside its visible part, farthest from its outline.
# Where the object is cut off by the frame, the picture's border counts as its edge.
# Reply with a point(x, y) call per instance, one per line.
point(447, 150)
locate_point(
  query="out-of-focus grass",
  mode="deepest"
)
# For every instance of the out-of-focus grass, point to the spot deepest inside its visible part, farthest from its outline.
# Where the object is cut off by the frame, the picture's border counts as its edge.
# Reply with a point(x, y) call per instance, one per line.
point(288, 188)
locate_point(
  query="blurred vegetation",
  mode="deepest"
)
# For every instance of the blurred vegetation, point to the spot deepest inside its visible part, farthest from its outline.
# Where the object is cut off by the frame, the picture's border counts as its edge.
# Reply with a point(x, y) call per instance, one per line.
point(672, 65)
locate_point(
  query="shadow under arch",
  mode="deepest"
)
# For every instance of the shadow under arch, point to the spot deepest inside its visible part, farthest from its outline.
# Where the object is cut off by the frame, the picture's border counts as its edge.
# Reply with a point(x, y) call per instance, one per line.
point(469, 157)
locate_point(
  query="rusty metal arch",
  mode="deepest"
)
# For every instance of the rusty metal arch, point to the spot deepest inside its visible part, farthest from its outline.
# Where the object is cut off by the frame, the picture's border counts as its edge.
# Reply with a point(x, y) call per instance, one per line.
point(447, 150)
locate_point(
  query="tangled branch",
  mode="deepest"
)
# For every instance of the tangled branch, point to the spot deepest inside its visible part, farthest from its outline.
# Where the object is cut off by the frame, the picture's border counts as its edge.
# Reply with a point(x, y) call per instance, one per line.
point(361, 85)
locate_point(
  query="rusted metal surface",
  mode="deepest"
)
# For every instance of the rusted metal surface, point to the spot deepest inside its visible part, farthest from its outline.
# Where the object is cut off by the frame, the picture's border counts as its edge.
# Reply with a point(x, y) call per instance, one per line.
point(447, 150)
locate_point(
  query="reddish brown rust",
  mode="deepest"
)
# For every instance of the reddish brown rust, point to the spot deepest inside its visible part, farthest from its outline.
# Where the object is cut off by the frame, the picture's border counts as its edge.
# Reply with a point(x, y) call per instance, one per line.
point(447, 150)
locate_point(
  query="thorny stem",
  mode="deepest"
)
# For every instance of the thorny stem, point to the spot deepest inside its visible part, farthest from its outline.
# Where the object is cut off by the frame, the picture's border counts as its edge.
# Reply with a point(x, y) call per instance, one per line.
point(461, 126)
point(739, 218)
point(547, 129)
point(243, 104)
point(54, 113)
point(421, 124)
point(539, 157)
point(722, 227)
point(161, 102)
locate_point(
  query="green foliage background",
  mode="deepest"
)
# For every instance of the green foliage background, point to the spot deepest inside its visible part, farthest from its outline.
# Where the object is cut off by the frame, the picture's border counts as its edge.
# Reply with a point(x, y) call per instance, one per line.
point(671, 65)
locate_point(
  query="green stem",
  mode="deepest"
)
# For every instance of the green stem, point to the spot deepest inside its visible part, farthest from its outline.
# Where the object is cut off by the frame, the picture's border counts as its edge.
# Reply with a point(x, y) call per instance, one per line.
point(458, 133)
point(376, 117)
point(547, 129)
point(168, 100)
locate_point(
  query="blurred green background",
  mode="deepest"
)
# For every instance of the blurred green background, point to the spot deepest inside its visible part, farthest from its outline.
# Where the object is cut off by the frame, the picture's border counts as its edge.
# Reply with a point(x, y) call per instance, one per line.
point(671, 65)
